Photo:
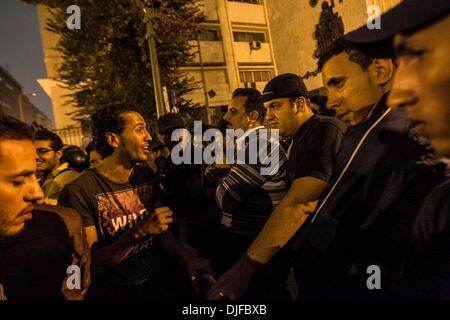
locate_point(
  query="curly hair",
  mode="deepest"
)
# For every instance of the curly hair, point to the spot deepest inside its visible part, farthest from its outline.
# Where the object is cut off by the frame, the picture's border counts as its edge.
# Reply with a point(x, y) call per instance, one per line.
point(355, 55)
point(13, 129)
point(254, 101)
point(45, 134)
point(105, 120)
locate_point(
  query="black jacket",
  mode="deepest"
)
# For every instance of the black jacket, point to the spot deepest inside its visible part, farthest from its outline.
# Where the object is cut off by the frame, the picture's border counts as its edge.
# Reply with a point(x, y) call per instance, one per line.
point(365, 216)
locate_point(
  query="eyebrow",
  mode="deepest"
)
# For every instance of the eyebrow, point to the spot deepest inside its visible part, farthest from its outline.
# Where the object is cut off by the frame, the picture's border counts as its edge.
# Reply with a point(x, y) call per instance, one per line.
point(401, 47)
point(273, 104)
point(335, 80)
point(24, 173)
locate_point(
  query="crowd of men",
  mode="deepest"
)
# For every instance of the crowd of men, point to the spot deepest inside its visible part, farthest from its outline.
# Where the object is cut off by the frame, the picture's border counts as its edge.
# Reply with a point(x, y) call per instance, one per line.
point(358, 204)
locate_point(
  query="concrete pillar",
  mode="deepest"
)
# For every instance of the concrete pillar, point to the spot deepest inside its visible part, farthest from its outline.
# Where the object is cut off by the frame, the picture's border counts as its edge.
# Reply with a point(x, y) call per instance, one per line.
point(227, 42)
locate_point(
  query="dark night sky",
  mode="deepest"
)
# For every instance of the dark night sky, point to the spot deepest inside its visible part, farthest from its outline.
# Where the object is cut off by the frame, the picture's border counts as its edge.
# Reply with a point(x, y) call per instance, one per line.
point(21, 49)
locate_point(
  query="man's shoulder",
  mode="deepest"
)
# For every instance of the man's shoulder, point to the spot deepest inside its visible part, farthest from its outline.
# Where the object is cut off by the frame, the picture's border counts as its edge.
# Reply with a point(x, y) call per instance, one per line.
point(86, 178)
point(144, 173)
point(70, 216)
point(330, 122)
point(68, 174)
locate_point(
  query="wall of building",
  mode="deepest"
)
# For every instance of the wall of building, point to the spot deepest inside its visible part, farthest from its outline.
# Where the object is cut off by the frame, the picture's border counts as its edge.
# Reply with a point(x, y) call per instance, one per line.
point(53, 59)
point(10, 90)
point(12, 98)
point(233, 53)
point(293, 23)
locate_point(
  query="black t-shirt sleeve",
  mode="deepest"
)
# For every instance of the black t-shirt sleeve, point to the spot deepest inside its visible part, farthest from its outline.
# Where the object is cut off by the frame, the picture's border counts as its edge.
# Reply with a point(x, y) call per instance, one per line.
point(74, 197)
point(317, 154)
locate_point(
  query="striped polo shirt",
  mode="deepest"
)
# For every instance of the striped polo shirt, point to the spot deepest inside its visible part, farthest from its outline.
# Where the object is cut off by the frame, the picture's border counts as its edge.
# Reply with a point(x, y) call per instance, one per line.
point(247, 195)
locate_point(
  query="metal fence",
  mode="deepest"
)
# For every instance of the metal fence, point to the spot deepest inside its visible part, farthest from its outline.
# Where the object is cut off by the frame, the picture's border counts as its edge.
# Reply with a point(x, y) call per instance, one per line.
point(73, 136)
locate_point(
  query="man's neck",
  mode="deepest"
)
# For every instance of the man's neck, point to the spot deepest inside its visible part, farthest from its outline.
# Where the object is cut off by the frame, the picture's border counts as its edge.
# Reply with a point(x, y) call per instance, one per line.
point(116, 168)
point(300, 122)
point(253, 126)
point(44, 175)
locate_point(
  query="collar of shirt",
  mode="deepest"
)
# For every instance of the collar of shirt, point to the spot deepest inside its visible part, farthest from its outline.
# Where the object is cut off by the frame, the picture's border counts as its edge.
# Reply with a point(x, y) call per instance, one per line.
point(240, 140)
point(55, 172)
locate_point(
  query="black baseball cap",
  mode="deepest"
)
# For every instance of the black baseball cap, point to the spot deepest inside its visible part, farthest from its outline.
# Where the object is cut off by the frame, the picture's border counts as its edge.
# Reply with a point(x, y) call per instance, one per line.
point(286, 85)
point(406, 17)
point(169, 122)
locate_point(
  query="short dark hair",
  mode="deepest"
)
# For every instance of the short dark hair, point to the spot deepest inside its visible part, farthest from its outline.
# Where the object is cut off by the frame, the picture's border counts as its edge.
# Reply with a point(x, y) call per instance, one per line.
point(13, 129)
point(45, 134)
point(254, 101)
point(108, 119)
point(355, 55)
point(90, 147)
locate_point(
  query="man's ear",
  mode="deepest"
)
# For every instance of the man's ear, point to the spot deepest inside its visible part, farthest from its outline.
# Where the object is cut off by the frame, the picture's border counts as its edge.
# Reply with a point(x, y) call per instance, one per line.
point(253, 116)
point(113, 139)
point(384, 69)
point(300, 102)
point(58, 154)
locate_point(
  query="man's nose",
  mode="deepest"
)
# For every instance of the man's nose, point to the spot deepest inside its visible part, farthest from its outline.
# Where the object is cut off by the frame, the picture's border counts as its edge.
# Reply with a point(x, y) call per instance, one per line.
point(404, 88)
point(148, 136)
point(270, 114)
point(34, 191)
point(332, 101)
point(226, 116)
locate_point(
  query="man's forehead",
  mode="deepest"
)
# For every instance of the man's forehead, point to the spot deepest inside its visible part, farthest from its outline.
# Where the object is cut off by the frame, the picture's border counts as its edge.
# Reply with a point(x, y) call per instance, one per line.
point(438, 31)
point(278, 101)
point(133, 118)
point(238, 102)
point(17, 155)
point(42, 143)
point(337, 65)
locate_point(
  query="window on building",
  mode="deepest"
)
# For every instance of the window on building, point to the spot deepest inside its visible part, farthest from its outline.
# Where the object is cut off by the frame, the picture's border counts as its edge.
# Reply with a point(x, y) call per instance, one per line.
point(249, 36)
point(206, 35)
point(255, 76)
point(247, 1)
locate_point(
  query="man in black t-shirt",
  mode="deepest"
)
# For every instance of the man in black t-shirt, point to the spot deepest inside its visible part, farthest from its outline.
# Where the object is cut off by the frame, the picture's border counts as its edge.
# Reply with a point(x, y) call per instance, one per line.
point(315, 142)
point(118, 202)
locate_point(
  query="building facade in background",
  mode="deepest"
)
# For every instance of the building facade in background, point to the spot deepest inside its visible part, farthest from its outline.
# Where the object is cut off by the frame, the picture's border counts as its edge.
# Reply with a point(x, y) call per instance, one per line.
point(293, 25)
point(15, 102)
point(243, 43)
point(232, 49)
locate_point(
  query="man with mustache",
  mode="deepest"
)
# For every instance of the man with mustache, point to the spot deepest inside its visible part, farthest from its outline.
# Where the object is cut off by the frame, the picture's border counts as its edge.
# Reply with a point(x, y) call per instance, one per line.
point(247, 195)
point(119, 203)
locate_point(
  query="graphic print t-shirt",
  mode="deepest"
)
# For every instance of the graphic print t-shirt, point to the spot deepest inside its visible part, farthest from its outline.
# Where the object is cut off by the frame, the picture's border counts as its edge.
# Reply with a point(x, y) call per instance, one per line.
point(114, 208)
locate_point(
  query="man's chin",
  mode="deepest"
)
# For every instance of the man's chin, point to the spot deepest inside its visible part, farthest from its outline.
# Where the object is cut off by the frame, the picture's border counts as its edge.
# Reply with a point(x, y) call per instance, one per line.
point(442, 146)
point(13, 230)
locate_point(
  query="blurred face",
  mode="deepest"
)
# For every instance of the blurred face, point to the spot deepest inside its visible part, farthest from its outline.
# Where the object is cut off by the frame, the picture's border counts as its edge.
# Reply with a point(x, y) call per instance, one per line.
point(422, 82)
point(155, 154)
point(135, 138)
point(236, 117)
point(352, 91)
point(281, 114)
point(18, 185)
point(94, 159)
point(47, 159)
